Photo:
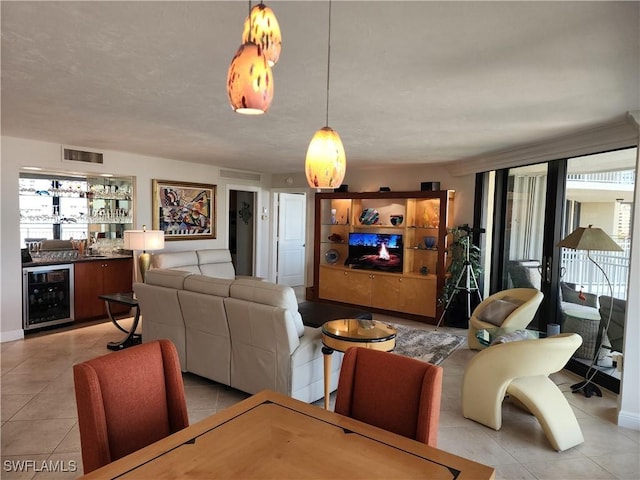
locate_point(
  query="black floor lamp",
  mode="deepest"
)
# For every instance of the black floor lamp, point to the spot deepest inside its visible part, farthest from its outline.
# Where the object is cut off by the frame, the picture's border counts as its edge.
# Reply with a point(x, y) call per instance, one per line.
point(589, 239)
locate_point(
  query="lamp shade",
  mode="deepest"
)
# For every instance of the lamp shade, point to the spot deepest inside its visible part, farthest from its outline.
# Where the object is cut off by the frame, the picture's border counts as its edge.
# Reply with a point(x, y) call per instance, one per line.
point(249, 80)
point(261, 27)
point(144, 240)
point(326, 161)
point(589, 239)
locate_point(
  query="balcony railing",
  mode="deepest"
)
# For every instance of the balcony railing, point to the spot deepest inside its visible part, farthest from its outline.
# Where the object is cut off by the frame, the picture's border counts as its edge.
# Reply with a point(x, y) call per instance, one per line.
point(626, 177)
point(583, 273)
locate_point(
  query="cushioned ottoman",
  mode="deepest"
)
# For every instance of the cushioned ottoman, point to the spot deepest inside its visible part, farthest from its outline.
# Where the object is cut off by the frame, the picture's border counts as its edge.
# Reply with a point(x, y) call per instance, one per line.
point(315, 314)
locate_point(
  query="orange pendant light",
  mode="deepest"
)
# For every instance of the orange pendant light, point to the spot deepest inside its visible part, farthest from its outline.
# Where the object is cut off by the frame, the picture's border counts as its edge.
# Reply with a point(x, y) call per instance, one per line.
point(250, 81)
point(261, 27)
point(326, 162)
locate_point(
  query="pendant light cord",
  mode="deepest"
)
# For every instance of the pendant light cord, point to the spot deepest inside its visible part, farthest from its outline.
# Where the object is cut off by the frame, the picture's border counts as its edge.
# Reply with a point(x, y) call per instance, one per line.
point(250, 38)
point(328, 63)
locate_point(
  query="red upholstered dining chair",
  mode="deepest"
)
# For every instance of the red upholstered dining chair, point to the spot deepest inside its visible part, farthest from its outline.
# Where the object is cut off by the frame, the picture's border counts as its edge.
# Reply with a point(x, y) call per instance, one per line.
point(127, 400)
point(396, 393)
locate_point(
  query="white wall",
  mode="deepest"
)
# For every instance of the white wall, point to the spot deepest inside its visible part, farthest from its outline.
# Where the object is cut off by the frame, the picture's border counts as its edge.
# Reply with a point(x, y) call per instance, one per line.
point(17, 153)
point(629, 399)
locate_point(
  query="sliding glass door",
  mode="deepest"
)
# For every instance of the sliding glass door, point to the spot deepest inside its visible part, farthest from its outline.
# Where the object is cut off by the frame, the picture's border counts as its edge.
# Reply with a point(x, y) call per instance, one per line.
point(532, 209)
point(527, 219)
point(599, 192)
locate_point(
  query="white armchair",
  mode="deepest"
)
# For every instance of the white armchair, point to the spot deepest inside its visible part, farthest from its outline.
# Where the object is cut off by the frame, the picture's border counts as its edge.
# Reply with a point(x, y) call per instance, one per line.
point(521, 370)
point(511, 309)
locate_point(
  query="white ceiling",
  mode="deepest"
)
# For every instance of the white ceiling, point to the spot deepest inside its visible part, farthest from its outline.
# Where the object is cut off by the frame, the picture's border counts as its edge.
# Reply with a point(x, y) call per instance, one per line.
point(411, 82)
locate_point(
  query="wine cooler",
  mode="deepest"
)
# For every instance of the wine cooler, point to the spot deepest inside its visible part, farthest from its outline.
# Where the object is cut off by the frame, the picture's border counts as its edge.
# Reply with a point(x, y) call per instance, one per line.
point(47, 295)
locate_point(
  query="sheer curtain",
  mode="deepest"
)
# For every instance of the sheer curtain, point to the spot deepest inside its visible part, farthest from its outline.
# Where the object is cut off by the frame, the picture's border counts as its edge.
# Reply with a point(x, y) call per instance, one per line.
point(527, 216)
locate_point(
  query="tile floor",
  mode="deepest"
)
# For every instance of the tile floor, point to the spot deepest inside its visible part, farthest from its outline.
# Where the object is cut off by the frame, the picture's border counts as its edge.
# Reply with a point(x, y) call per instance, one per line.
point(39, 424)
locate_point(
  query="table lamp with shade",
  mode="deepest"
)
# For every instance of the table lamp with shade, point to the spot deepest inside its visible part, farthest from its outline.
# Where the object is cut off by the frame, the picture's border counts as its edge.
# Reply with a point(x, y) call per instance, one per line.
point(144, 240)
point(589, 239)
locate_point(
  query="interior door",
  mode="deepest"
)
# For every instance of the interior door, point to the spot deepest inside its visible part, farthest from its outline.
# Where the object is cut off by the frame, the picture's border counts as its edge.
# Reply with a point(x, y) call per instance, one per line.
point(291, 238)
point(241, 230)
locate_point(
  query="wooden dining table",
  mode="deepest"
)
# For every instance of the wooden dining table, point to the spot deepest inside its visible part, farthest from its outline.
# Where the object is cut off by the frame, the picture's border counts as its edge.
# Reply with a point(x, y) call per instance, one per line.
point(272, 436)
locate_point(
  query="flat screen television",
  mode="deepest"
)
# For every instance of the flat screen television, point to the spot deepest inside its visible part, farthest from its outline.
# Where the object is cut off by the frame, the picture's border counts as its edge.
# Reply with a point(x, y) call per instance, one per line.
point(375, 251)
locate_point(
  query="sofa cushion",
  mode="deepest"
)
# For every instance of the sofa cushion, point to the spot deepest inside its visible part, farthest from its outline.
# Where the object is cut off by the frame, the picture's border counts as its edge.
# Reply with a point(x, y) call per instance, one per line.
point(208, 285)
point(175, 260)
point(166, 278)
point(216, 262)
point(268, 294)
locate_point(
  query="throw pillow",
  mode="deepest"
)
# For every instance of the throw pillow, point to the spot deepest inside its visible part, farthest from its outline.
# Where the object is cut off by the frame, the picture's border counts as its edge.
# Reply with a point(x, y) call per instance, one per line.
point(497, 311)
point(570, 295)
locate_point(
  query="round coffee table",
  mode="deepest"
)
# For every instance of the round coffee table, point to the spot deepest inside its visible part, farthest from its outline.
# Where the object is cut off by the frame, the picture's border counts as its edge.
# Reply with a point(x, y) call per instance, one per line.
point(352, 332)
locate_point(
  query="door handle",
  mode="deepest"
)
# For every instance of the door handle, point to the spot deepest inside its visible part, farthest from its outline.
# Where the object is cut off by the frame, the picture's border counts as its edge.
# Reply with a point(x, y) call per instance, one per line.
point(547, 269)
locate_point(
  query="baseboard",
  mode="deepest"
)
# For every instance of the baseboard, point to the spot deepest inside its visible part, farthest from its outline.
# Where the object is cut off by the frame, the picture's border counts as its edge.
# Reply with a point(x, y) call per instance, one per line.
point(11, 335)
point(629, 420)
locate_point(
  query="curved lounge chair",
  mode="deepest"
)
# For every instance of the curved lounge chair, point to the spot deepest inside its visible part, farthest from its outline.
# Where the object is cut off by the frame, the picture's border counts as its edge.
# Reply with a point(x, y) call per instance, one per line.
point(521, 370)
point(511, 309)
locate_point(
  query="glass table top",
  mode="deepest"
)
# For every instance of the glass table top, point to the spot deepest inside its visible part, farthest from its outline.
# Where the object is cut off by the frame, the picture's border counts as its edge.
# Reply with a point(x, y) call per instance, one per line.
point(354, 329)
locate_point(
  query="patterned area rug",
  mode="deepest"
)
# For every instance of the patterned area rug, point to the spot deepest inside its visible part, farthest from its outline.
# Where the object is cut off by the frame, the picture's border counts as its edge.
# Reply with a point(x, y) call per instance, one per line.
point(428, 346)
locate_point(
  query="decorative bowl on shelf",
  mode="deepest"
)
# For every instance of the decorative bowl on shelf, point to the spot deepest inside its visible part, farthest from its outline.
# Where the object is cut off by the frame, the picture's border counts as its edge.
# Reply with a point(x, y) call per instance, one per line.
point(335, 237)
point(396, 220)
point(429, 242)
point(369, 216)
point(332, 256)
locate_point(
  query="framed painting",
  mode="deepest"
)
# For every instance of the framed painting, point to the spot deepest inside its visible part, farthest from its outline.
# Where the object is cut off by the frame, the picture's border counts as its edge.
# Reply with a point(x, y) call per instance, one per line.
point(183, 210)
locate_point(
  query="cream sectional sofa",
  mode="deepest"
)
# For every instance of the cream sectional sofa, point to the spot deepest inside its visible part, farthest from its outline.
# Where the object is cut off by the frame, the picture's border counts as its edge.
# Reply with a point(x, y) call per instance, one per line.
point(245, 333)
point(211, 262)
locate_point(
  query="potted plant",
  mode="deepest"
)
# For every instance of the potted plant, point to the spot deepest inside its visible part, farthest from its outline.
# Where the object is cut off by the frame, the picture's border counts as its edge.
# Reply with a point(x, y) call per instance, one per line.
point(462, 252)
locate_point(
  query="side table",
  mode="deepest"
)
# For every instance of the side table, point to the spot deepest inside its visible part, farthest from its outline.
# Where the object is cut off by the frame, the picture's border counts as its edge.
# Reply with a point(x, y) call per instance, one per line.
point(351, 332)
point(585, 321)
point(132, 337)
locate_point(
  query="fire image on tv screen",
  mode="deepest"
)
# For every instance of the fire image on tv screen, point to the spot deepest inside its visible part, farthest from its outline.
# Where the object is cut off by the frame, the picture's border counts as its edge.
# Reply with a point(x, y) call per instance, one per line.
point(375, 251)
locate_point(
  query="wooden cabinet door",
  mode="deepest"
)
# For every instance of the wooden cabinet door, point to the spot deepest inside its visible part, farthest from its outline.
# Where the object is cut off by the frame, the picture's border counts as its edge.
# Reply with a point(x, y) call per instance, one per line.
point(418, 296)
point(92, 279)
point(328, 288)
point(357, 287)
point(384, 291)
point(117, 278)
point(88, 284)
point(345, 286)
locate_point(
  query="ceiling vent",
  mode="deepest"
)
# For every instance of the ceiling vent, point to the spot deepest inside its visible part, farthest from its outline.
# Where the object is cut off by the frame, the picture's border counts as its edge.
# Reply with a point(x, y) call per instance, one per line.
point(74, 155)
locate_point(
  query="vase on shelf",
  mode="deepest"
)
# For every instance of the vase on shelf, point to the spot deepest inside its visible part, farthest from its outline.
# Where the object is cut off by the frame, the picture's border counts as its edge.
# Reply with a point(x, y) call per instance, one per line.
point(396, 220)
point(429, 242)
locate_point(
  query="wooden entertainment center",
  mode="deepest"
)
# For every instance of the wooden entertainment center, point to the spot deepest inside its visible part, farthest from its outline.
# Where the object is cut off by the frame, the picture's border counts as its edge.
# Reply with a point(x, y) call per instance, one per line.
point(407, 281)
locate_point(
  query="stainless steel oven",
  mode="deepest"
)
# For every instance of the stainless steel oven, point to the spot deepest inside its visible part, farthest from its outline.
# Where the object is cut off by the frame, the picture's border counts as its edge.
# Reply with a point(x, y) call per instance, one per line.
point(47, 295)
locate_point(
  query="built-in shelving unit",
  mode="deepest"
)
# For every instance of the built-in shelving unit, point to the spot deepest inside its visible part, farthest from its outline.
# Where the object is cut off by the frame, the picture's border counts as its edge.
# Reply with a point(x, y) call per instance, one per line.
point(420, 218)
point(58, 207)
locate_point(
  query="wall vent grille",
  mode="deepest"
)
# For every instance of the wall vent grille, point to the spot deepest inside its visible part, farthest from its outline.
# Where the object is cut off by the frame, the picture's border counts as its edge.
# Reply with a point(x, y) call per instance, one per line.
point(238, 175)
point(73, 155)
